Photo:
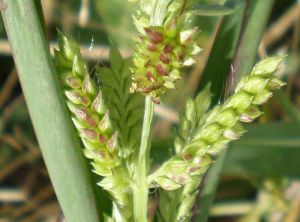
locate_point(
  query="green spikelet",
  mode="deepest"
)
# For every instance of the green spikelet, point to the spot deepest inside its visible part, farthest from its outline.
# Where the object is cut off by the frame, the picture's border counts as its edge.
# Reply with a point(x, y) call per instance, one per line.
point(162, 51)
point(92, 121)
point(219, 127)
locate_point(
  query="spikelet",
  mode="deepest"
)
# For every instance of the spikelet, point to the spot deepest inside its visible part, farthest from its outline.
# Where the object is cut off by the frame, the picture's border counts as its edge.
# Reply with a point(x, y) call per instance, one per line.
point(91, 119)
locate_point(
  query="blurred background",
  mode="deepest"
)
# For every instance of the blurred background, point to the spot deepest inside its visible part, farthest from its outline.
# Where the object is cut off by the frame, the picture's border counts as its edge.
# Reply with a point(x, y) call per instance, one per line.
point(259, 179)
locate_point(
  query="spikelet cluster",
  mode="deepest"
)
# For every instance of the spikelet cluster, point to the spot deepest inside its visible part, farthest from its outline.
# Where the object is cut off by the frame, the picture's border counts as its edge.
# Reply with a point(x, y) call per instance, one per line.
point(221, 125)
point(161, 53)
point(91, 119)
point(89, 113)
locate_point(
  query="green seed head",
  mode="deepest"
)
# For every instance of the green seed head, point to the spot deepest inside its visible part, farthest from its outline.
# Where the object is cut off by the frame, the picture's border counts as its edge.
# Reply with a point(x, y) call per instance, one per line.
point(218, 127)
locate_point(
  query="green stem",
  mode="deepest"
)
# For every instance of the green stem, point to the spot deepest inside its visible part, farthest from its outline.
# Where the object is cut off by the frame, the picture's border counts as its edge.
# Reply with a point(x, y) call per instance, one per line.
point(159, 13)
point(141, 186)
point(209, 187)
point(140, 199)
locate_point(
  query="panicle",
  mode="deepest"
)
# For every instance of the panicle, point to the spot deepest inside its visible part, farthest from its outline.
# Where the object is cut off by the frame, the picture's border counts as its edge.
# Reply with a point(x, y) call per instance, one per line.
point(219, 127)
point(200, 139)
point(162, 52)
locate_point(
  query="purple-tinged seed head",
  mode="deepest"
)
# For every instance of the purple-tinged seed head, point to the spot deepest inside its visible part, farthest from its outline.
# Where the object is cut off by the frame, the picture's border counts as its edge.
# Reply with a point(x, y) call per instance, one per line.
point(193, 169)
point(155, 37)
point(112, 143)
point(171, 28)
point(91, 121)
point(150, 76)
point(152, 48)
point(102, 139)
point(187, 156)
point(85, 101)
point(186, 37)
point(90, 133)
point(81, 113)
point(168, 49)
point(245, 118)
point(102, 153)
point(85, 115)
point(155, 100)
point(164, 58)
point(72, 82)
point(230, 134)
point(181, 179)
point(146, 90)
point(161, 70)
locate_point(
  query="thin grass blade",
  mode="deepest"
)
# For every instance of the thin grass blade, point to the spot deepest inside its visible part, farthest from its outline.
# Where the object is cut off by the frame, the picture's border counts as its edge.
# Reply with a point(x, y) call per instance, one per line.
point(254, 21)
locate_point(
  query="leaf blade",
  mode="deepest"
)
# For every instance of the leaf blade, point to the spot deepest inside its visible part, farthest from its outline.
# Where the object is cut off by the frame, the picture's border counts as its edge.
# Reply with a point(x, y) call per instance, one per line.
point(54, 130)
point(202, 9)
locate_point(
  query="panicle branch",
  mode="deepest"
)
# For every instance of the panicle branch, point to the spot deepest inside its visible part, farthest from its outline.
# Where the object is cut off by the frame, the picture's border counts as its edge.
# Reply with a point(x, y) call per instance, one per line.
point(196, 150)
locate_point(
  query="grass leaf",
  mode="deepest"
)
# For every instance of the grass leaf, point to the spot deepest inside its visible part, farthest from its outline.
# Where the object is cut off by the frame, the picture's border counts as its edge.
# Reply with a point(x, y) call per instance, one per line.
point(53, 127)
point(264, 151)
point(126, 108)
point(219, 63)
point(228, 8)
